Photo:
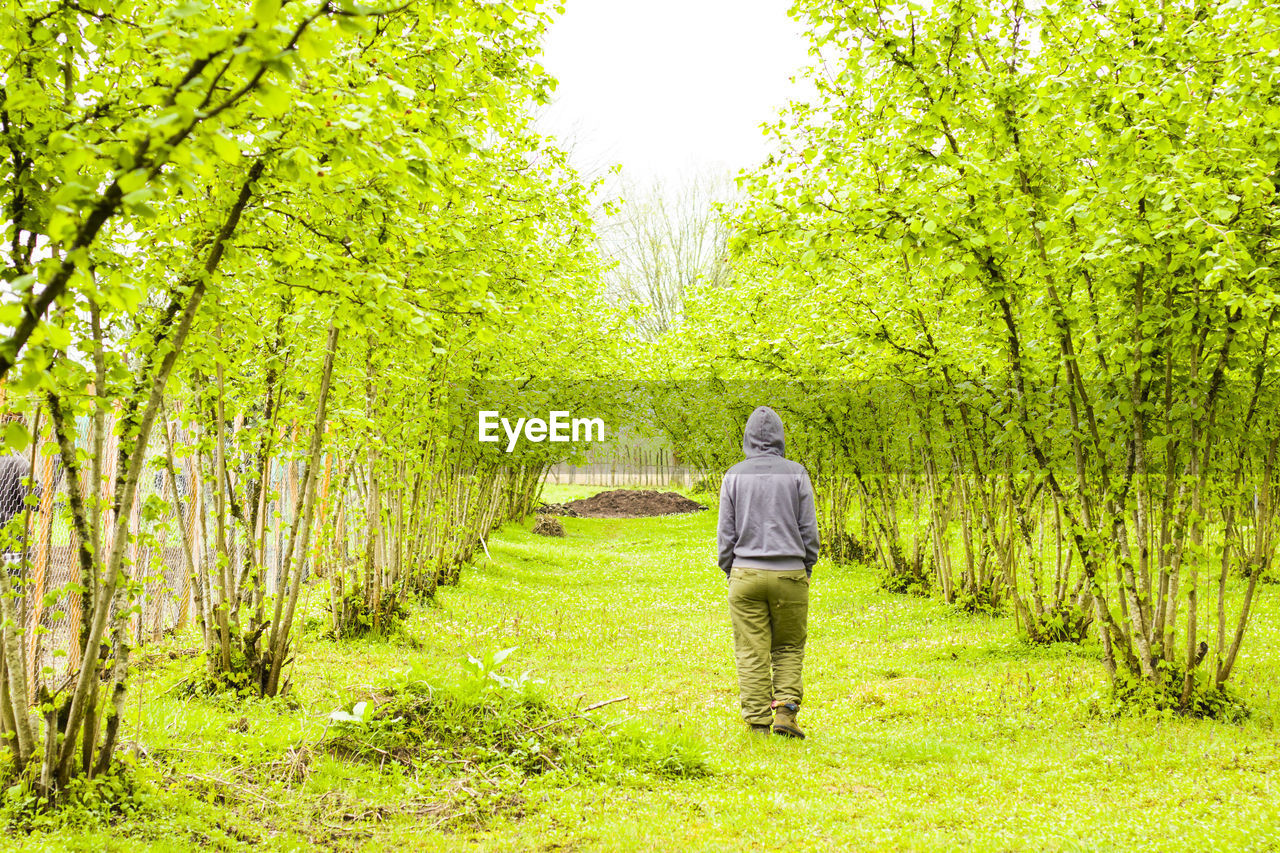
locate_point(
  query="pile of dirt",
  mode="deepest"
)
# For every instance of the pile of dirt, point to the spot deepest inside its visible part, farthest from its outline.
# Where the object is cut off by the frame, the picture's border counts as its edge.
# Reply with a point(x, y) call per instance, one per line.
point(632, 503)
point(555, 509)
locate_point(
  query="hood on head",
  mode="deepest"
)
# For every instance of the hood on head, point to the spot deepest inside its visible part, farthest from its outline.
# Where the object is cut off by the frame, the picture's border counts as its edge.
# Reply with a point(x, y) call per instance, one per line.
point(763, 435)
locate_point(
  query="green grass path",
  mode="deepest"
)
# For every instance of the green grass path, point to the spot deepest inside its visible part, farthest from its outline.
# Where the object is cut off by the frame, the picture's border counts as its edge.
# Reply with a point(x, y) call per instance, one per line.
point(929, 729)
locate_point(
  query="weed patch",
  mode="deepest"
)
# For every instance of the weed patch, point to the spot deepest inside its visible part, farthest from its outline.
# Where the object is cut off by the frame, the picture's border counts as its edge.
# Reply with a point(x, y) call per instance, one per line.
point(484, 726)
point(120, 795)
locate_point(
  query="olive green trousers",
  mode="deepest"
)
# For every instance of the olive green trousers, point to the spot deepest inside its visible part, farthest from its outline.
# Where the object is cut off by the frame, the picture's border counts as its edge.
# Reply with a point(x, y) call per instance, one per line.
point(770, 615)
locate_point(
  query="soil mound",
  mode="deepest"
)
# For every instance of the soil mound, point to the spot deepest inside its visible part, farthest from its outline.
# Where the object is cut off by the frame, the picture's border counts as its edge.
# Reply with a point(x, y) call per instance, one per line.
point(545, 508)
point(632, 503)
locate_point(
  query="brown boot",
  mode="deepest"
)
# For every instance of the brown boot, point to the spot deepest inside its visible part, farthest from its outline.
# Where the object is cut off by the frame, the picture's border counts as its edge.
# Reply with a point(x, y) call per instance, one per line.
point(784, 720)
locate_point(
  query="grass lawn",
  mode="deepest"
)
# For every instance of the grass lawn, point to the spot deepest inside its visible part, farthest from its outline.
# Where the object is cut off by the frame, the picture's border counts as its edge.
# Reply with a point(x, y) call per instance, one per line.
point(929, 729)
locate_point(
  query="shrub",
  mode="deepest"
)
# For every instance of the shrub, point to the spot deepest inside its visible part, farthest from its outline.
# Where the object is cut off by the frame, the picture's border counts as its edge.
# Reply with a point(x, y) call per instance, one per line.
point(905, 577)
point(986, 598)
point(1132, 693)
point(86, 803)
point(355, 618)
point(1065, 623)
point(847, 549)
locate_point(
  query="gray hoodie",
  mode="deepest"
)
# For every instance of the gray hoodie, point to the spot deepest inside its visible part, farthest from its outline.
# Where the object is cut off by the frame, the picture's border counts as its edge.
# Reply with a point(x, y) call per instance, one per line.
point(767, 519)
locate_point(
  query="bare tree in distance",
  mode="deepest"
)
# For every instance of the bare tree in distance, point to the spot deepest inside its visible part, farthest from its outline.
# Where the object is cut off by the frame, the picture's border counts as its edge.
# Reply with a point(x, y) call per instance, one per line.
point(661, 241)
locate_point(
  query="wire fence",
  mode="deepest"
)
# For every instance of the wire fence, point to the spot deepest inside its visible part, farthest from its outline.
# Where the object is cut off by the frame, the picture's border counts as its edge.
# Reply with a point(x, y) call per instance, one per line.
point(170, 529)
point(626, 466)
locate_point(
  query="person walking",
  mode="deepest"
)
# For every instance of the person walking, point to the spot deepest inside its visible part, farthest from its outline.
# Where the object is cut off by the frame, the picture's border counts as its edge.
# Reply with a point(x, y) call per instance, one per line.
point(768, 542)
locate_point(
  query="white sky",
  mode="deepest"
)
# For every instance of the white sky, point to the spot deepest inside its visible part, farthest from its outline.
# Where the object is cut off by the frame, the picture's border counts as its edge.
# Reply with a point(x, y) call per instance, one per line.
point(669, 88)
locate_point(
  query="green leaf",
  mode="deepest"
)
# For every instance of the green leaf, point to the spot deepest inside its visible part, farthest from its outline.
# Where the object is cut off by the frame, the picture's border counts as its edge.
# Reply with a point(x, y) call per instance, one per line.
point(16, 437)
point(265, 12)
point(140, 196)
point(276, 100)
point(227, 149)
point(132, 181)
point(59, 337)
